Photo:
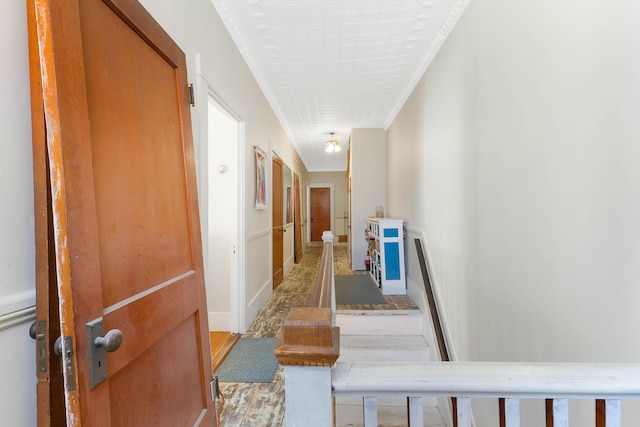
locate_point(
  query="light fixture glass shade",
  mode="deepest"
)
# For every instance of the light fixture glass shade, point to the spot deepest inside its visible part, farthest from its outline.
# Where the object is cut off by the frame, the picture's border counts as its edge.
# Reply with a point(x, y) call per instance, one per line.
point(332, 145)
point(329, 147)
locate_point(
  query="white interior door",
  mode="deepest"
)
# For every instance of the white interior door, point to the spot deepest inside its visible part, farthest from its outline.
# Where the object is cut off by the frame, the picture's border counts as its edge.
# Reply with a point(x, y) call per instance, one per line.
point(222, 240)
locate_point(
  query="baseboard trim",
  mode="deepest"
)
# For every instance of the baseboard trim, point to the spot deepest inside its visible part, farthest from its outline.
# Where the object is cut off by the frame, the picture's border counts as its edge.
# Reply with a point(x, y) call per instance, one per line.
point(255, 305)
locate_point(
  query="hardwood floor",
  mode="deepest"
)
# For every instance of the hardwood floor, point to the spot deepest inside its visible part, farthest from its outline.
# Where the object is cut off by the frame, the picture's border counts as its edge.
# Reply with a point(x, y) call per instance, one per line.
point(259, 404)
point(221, 345)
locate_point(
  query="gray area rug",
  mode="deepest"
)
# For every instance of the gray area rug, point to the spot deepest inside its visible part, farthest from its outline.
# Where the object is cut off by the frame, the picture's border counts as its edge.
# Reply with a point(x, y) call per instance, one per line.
point(250, 361)
point(358, 289)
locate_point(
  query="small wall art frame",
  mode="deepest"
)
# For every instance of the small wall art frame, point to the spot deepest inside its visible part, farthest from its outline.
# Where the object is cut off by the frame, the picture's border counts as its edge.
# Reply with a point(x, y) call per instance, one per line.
point(261, 178)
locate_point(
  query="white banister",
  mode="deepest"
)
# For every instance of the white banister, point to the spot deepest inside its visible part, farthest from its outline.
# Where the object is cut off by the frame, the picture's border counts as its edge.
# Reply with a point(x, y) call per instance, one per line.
point(557, 382)
point(488, 379)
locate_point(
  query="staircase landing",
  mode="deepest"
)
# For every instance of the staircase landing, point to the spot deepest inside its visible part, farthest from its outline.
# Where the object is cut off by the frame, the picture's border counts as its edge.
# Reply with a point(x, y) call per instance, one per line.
point(385, 336)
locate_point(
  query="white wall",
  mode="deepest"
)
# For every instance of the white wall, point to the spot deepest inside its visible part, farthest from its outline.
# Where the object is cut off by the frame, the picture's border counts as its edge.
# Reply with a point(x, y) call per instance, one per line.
point(521, 147)
point(212, 55)
point(368, 186)
point(17, 251)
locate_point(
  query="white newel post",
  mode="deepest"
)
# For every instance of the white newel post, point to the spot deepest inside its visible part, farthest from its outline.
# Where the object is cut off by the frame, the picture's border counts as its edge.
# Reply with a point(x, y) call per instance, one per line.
point(308, 396)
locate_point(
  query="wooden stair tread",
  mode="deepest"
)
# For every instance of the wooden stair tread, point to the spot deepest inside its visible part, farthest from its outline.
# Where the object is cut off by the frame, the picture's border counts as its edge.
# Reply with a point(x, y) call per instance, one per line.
point(383, 348)
point(384, 323)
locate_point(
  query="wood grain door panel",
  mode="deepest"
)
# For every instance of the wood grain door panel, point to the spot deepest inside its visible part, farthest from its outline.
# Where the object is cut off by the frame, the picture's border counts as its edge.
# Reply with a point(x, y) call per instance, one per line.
point(124, 205)
point(320, 200)
point(298, 248)
point(277, 219)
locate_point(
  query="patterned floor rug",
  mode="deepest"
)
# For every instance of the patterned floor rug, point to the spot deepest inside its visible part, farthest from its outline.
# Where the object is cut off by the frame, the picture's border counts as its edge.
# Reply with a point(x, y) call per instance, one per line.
point(250, 361)
point(357, 289)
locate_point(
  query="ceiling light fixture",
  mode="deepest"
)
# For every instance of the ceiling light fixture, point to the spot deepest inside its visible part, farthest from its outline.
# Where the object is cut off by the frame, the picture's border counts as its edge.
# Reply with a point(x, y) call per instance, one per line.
point(332, 145)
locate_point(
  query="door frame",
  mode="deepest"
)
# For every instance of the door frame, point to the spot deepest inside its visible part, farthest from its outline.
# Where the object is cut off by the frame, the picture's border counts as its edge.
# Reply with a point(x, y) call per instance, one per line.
point(203, 90)
point(297, 218)
point(331, 203)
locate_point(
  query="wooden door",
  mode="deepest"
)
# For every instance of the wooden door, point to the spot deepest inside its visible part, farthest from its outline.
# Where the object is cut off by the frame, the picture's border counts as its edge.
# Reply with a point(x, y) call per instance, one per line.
point(349, 234)
point(297, 225)
point(320, 200)
point(125, 219)
point(46, 328)
point(277, 212)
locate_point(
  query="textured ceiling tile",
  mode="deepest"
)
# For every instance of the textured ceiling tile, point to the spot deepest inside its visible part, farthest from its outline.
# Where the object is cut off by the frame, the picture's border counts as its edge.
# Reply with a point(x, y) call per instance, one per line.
point(333, 65)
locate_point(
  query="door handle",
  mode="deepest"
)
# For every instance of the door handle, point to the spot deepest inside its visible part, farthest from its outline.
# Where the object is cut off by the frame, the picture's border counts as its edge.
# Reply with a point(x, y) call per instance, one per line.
point(111, 341)
point(32, 330)
point(99, 345)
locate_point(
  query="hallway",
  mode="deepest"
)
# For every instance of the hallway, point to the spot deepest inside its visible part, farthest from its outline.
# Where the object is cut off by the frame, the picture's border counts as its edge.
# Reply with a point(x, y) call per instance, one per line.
point(260, 404)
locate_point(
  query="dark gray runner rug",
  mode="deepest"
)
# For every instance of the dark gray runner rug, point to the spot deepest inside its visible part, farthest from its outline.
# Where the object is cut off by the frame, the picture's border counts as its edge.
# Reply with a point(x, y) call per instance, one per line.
point(250, 361)
point(358, 289)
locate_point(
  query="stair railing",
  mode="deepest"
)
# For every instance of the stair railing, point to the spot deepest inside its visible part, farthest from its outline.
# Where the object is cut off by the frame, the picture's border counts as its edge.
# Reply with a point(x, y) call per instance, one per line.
point(308, 346)
point(608, 384)
point(508, 383)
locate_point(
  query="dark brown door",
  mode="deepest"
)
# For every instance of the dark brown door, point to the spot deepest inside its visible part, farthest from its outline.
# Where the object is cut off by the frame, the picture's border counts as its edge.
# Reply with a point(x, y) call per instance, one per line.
point(320, 200)
point(277, 212)
point(297, 225)
point(124, 207)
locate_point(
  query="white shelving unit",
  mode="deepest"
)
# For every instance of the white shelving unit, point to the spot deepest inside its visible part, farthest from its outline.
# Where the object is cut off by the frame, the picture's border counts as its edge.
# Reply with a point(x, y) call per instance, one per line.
point(385, 237)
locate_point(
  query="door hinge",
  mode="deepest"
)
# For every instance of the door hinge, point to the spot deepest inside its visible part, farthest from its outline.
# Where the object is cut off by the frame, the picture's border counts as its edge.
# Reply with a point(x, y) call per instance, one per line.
point(192, 97)
point(215, 388)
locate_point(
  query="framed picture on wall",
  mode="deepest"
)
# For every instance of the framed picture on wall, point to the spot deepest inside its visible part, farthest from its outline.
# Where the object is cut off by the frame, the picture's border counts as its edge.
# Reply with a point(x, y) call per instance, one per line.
point(261, 178)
